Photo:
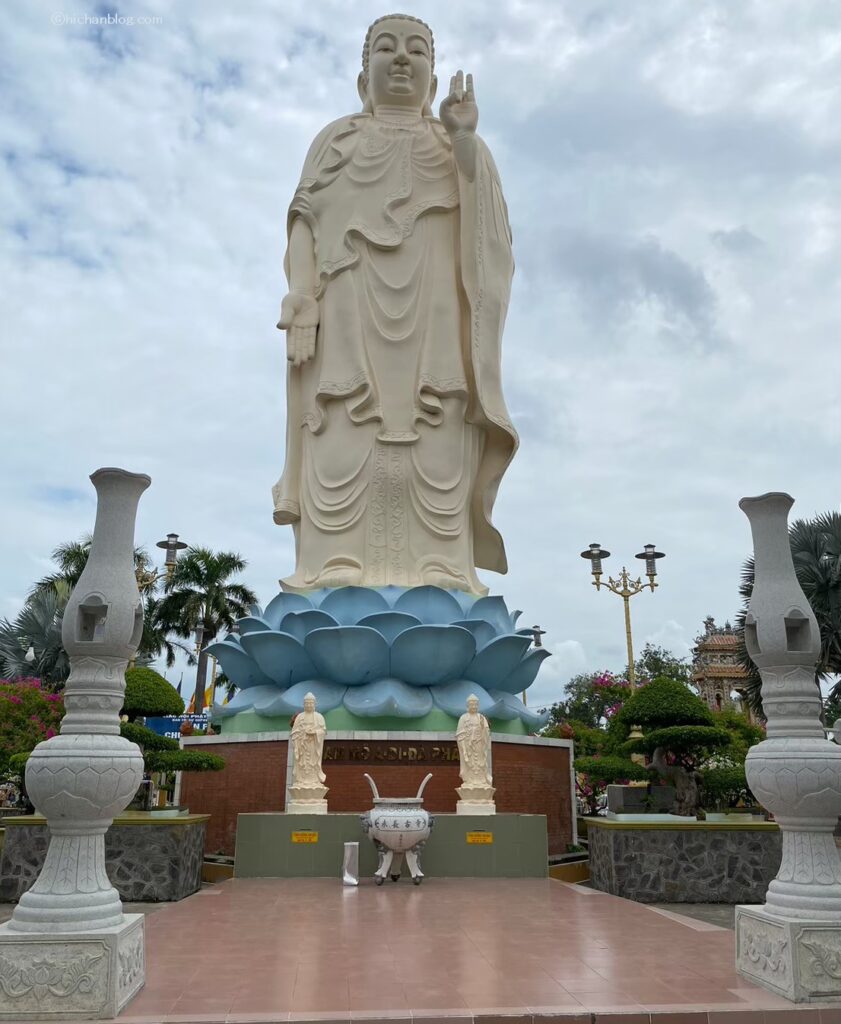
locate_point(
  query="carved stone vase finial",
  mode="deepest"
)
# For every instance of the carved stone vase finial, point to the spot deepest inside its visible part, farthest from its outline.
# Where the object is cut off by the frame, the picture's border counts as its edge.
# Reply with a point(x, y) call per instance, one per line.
point(795, 773)
point(80, 779)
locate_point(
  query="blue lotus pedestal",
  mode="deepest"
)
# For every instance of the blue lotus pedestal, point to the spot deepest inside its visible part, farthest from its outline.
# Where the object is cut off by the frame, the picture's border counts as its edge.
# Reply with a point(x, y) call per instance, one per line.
point(381, 653)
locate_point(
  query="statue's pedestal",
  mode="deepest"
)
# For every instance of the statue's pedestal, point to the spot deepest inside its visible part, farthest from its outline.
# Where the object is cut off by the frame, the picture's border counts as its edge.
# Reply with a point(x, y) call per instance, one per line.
point(798, 959)
point(475, 800)
point(307, 800)
point(71, 975)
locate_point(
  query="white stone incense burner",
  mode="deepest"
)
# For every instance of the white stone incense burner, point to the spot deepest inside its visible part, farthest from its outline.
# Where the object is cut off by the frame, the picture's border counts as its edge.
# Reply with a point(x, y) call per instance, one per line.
point(398, 827)
point(792, 944)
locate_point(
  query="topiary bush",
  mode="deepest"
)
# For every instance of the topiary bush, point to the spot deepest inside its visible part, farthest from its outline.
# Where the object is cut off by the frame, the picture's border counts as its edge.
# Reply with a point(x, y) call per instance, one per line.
point(149, 694)
point(679, 733)
point(594, 774)
point(162, 754)
point(724, 786)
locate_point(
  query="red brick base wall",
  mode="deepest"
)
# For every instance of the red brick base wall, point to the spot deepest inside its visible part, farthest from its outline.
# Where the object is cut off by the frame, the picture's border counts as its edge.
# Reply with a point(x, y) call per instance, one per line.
point(529, 779)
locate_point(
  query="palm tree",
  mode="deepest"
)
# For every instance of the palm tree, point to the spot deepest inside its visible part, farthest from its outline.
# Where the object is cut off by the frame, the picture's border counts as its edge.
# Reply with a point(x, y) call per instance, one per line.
point(198, 592)
point(816, 551)
point(72, 558)
point(37, 626)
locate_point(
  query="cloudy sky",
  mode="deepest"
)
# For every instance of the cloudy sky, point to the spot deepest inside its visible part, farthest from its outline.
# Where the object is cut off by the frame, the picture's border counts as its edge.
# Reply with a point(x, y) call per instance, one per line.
point(672, 177)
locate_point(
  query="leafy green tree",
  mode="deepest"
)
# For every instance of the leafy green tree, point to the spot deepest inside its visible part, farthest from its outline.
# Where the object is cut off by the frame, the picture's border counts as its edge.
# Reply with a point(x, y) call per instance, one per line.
point(200, 590)
point(678, 732)
point(816, 552)
point(37, 625)
point(148, 694)
point(590, 698)
point(28, 715)
point(658, 663)
point(595, 773)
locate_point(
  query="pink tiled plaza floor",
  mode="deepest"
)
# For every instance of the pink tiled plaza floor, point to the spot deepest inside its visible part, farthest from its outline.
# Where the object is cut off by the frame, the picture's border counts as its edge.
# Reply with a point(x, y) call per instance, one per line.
point(309, 949)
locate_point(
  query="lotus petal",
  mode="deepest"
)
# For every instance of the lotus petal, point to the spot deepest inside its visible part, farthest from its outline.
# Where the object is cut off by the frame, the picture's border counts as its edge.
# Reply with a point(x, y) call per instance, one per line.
point(348, 605)
point(256, 610)
point(493, 610)
point(523, 674)
point(315, 597)
point(289, 702)
point(483, 631)
point(389, 623)
point(498, 660)
point(515, 615)
point(282, 604)
point(251, 624)
point(350, 655)
point(298, 624)
point(244, 700)
point(430, 655)
point(512, 707)
point(432, 605)
point(452, 698)
point(390, 594)
point(465, 600)
point(237, 665)
point(507, 707)
point(388, 697)
point(280, 656)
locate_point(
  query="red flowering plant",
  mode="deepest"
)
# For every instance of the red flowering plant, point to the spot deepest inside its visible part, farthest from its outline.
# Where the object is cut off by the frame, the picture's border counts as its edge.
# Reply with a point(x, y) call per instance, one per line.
point(28, 714)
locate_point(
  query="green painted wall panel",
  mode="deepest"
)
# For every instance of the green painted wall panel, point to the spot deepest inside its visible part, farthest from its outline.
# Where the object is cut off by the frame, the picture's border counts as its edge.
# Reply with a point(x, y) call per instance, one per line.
point(265, 849)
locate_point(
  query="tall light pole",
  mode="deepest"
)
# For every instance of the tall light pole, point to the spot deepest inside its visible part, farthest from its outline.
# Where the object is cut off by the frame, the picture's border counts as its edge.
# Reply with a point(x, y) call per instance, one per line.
point(625, 587)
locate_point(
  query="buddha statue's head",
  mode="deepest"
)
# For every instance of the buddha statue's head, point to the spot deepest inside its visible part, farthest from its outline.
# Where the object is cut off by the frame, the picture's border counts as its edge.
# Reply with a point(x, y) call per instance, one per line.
point(309, 702)
point(398, 63)
point(473, 704)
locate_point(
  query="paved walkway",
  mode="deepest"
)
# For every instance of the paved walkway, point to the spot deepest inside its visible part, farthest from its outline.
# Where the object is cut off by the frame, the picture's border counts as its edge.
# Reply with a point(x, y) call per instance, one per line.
point(528, 951)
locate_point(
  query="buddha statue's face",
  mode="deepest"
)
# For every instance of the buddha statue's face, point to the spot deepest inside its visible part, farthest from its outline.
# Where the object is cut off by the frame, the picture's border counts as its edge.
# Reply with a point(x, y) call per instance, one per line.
point(309, 703)
point(473, 705)
point(400, 65)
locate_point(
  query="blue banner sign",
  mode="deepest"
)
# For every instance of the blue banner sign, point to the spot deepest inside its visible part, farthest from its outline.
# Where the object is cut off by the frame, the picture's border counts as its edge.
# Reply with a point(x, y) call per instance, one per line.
point(170, 725)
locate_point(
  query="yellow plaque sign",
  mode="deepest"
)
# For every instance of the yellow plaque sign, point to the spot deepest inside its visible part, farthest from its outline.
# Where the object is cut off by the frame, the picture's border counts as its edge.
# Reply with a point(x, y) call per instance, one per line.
point(304, 837)
point(481, 837)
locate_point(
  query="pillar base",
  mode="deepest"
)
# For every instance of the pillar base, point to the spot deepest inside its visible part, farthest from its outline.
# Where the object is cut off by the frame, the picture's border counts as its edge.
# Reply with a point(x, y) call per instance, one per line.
point(307, 807)
point(72, 975)
point(468, 807)
point(798, 959)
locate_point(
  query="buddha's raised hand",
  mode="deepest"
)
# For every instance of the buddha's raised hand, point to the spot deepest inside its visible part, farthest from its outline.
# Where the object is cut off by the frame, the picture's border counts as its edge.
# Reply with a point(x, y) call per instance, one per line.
point(458, 111)
point(299, 318)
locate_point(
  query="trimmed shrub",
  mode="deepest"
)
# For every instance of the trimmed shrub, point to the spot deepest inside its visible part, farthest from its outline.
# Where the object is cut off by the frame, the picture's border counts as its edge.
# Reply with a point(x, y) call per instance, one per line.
point(148, 693)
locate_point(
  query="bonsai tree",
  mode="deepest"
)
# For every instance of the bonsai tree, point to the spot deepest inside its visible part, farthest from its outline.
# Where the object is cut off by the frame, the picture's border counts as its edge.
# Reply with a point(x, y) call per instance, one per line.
point(679, 735)
point(149, 695)
point(594, 774)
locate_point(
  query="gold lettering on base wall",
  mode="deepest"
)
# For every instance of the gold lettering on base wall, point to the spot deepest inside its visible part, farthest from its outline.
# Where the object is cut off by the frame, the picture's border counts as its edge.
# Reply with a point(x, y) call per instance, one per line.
point(304, 837)
point(480, 837)
point(389, 753)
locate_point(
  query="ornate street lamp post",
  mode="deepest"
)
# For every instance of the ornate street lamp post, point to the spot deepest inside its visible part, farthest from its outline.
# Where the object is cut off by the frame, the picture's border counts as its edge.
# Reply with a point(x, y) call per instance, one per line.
point(625, 587)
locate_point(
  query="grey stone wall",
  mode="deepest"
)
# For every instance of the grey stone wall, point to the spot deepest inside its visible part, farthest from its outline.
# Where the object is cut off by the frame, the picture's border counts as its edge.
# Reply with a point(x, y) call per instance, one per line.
point(146, 863)
point(693, 865)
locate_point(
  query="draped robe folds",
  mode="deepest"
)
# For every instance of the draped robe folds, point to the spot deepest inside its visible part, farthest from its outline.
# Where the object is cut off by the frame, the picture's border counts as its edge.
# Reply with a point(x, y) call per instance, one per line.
point(397, 430)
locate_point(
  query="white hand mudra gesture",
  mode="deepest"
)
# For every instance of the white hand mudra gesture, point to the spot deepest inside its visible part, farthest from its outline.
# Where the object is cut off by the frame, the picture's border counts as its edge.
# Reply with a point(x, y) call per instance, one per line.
point(458, 111)
point(299, 318)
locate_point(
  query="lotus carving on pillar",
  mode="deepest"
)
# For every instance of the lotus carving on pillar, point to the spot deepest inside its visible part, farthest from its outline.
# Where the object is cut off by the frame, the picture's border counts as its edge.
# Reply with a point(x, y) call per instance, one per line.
point(381, 652)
